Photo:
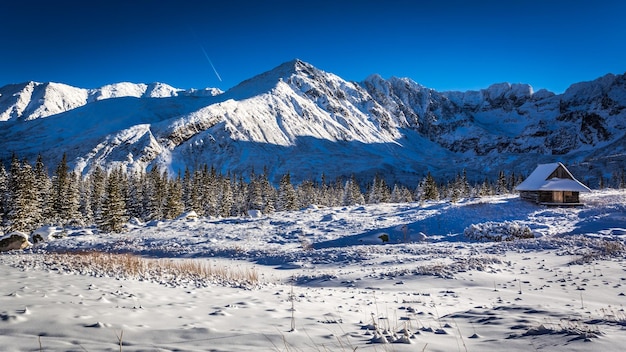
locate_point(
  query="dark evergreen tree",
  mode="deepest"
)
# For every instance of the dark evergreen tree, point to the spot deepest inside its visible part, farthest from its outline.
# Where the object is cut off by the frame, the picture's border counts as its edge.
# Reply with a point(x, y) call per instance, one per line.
point(156, 193)
point(25, 213)
point(210, 191)
point(352, 192)
point(486, 189)
point(254, 199)
point(429, 189)
point(135, 199)
point(189, 192)
point(4, 194)
point(240, 197)
point(96, 182)
point(287, 197)
point(501, 184)
point(307, 194)
point(174, 203)
point(379, 191)
point(43, 186)
point(114, 214)
point(226, 197)
point(65, 195)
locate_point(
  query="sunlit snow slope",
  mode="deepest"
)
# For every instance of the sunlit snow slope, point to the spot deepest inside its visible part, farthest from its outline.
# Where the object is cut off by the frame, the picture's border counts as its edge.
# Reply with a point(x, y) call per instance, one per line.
point(302, 120)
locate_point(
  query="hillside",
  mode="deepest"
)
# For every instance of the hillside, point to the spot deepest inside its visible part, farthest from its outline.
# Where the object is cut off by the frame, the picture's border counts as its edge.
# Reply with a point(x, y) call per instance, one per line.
point(299, 119)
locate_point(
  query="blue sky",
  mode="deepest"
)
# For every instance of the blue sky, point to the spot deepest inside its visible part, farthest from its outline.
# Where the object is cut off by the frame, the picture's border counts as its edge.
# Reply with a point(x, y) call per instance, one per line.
point(445, 44)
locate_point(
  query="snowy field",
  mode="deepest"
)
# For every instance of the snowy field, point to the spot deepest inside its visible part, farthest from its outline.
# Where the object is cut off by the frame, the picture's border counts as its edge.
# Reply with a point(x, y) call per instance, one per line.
point(324, 280)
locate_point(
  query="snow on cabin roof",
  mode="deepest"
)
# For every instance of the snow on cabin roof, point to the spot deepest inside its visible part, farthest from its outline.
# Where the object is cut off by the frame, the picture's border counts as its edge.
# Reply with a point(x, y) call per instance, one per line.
point(538, 180)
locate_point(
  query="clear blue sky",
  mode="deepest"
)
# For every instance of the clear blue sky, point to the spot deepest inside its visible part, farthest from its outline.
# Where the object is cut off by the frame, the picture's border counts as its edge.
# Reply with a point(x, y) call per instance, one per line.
point(442, 44)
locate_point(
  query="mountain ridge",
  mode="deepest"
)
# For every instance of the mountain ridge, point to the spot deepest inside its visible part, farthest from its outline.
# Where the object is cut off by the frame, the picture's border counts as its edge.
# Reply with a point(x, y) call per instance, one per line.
point(299, 119)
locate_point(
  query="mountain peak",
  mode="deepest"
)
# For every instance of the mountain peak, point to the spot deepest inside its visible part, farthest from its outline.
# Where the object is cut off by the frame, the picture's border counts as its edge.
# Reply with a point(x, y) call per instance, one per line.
point(266, 81)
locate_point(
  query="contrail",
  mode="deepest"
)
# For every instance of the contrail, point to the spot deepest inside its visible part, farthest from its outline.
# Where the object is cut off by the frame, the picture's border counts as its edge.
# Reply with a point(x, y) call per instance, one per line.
point(207, 57)
point(205, 53)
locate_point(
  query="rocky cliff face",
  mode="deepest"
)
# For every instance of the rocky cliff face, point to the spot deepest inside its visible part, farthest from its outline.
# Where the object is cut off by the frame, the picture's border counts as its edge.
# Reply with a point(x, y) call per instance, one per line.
point(299, 119)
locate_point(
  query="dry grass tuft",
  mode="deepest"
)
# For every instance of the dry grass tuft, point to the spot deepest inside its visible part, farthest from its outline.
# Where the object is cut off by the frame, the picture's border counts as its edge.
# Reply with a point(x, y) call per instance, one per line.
point(178, 271)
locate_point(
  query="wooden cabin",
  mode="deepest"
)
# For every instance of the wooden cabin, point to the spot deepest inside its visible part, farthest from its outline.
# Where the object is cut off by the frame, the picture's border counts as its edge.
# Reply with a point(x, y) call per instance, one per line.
point(552, 184)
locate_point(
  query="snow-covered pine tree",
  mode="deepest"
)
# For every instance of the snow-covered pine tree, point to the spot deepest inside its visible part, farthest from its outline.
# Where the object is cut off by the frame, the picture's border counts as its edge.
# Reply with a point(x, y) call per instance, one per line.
point(25, 211)
point(174, 203)
point(379, 191)
point(4, 194)
point(352, 193)
point(401, 194)
point(156, 193)
point(85, 201)
point(226, 196)
point(287, 198)
point(114, 214)
point(97, 182)
point(240, 196)
point(189, 191)
point(430, 191)
point(43, 186)
point(326, 195)
point(459, 188)
point(486, 189)
point(135, 200)
point(307, 193)
point(210, 191)
point(196, 192)
point(501, 184)
point(268, 193)
point(65, 196)
point(254, 199)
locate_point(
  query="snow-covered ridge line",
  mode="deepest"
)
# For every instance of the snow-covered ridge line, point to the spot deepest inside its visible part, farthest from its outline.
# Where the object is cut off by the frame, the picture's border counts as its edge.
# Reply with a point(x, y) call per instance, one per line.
point(32, 100)
point(299, 119)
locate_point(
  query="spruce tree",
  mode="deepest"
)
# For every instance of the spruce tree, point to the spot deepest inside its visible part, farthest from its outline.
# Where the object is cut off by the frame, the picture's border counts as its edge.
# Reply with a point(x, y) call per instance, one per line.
point(240, 197)
point(429, 188)
point(352, 193)
point(4, 194)
point(174, 203)
point(156, 193)
point(401, 194)
point(97, 184)
point(307, 193)
point(254, 199)
point(226, 197)
point(43, 186)
point(24, 212)
point(287, 198)
point(501, 185)
point(135, 205)
point(65, 195)
point(114, 214)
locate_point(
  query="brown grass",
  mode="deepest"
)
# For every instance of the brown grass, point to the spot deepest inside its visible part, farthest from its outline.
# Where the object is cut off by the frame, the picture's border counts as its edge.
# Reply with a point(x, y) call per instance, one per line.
point(168, 270)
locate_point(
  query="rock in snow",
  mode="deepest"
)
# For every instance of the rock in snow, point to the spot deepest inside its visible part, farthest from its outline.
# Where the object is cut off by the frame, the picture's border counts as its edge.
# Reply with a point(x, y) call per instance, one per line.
point(14, 240)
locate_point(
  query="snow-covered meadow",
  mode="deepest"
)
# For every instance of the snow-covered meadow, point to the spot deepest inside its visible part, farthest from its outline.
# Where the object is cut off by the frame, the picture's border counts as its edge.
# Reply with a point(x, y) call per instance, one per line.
point(387, 277)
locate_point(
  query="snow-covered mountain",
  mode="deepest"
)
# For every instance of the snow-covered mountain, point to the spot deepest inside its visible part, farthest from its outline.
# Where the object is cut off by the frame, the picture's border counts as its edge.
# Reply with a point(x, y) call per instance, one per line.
point(32, 100)
point(302, 120)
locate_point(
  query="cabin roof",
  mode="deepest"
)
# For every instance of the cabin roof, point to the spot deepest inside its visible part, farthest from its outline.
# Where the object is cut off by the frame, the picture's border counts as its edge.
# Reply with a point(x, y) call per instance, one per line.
point(538, 180)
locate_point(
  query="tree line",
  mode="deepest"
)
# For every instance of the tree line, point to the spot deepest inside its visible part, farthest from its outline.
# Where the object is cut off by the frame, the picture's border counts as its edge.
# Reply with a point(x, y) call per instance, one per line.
point(30, 197)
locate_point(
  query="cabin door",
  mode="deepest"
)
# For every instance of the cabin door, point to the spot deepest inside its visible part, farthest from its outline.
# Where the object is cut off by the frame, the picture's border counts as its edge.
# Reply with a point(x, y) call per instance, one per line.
point(557, 197)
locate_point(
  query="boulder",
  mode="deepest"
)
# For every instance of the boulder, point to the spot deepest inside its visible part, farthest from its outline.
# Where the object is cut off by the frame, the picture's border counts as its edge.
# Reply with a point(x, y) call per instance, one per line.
point(190, 215)
point(14, 240)
point(47, 233)
point(253, 213)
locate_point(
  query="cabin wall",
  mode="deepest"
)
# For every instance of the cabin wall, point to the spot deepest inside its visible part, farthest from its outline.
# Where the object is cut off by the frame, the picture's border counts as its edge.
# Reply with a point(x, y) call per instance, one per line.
point(558, 197)
point(532, 196)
